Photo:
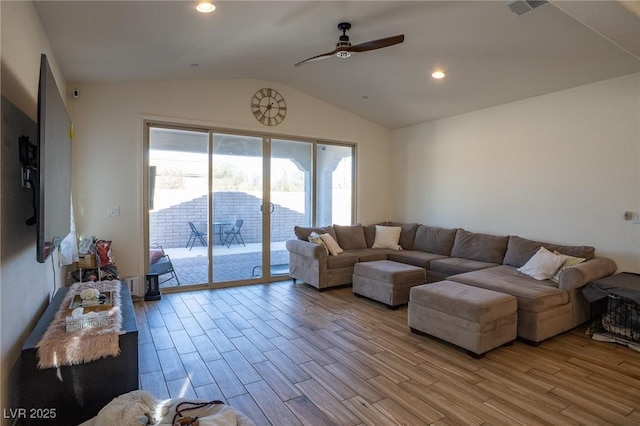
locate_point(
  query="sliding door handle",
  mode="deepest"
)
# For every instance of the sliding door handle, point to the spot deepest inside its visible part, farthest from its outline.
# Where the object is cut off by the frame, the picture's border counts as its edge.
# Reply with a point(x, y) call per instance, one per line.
point(271, 208)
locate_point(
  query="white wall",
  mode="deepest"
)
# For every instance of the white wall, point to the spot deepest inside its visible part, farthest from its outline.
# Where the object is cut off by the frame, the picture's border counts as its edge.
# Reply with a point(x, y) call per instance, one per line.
point(108, 152)
point(25, 284)
point(562, 167)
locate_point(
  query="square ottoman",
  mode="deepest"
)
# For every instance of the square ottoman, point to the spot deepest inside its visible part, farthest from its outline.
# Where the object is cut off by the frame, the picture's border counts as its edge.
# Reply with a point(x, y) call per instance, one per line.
point(473, 318)
point(386, 281)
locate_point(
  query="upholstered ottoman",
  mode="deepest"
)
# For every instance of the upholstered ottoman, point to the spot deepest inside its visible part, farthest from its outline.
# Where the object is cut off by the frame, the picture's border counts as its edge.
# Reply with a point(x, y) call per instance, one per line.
point(473, 318)
point(386, 281)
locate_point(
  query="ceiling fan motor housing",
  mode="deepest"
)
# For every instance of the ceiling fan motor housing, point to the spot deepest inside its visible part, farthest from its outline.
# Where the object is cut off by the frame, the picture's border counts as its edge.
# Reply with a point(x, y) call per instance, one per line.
point(344, 44)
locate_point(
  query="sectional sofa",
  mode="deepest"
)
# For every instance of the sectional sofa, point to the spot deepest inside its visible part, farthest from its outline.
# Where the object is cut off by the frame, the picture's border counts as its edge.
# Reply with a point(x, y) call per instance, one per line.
point(545, 307)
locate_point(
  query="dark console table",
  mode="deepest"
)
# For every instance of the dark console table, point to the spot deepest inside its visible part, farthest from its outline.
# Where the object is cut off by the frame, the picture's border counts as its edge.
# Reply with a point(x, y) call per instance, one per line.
point(74, 394)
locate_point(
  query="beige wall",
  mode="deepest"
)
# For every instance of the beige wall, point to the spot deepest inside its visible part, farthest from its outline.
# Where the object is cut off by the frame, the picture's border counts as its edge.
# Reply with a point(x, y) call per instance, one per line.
point(25, 284)
point(108, 152)
point(562, 167)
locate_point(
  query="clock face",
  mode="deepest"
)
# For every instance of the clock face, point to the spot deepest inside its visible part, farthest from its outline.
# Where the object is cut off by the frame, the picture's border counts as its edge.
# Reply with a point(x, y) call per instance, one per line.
point(268, 107)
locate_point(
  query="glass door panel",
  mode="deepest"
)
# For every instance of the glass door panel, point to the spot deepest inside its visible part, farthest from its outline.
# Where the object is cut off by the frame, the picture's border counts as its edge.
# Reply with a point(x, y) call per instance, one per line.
point(237, 207)
point(291, 197)
point(334, 184)
point(178, 206)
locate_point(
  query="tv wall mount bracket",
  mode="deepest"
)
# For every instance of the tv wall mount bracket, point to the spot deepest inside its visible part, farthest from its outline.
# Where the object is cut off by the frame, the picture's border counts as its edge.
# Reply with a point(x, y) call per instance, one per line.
point(28, 153)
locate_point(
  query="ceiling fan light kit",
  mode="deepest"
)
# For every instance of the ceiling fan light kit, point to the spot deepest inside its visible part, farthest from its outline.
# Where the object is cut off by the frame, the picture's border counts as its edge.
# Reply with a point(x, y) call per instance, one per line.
point(344, 49)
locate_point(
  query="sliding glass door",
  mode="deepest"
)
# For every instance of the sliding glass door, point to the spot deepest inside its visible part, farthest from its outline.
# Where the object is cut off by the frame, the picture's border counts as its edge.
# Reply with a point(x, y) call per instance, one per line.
point(222, 205)
point(237, 219)
point(178, 206)
point(291, 197)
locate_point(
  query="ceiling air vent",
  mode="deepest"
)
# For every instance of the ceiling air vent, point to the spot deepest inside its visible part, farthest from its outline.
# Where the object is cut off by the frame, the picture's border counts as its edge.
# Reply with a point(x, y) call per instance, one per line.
point(520, 7)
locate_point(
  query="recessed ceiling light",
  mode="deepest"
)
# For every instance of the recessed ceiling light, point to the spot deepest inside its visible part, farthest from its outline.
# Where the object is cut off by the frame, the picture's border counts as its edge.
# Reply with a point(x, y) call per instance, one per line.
point(205, 6)
point(437, 74)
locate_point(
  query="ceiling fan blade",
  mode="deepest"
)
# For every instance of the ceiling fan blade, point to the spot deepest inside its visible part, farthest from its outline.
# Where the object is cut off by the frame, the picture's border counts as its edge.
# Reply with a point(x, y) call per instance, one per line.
point(317, 58)
point(377, 44)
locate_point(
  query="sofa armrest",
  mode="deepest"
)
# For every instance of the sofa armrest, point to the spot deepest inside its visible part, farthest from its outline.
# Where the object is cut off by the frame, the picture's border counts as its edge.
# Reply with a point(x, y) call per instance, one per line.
point(585, 272)
point(306, 248)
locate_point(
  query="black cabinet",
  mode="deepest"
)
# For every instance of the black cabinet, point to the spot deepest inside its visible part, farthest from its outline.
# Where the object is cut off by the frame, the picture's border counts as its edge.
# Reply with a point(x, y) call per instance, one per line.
point(74, 394)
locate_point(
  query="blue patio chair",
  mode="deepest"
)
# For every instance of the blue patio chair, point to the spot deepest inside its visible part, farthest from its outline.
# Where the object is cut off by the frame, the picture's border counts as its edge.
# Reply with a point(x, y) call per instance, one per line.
point(234, 234)
point(196, 234)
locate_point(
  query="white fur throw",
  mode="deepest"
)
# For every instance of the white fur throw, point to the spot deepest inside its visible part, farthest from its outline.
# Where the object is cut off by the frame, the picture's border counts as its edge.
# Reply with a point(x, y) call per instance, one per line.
point(58, 347)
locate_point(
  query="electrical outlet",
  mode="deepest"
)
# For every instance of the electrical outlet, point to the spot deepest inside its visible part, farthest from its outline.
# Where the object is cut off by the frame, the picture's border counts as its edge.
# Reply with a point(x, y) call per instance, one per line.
point(113, 211)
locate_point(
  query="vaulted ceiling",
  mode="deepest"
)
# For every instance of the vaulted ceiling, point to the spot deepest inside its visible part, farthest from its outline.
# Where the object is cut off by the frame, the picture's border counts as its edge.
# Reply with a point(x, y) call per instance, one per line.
point(490, 55)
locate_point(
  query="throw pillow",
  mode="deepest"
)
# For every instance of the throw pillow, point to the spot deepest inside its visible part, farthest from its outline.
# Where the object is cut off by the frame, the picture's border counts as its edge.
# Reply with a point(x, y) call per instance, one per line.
point(331, 244)
point(387, 237)
point(542, 265)
point(314, 238)
point(155, 255)
point(407, 235)
point(568, 262)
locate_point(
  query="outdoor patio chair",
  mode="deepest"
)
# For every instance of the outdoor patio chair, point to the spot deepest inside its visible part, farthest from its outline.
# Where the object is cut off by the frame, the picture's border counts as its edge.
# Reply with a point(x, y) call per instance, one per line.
point(196, 234)
point(234, 234)
point(160, 264)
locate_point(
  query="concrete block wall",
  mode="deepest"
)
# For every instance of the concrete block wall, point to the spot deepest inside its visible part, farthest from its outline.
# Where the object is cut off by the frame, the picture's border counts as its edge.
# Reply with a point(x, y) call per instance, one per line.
point(170, 227)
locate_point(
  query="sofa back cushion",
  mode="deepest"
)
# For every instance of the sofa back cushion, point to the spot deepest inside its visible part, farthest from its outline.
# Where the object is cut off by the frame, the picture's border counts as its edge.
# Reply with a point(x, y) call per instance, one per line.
point(434, 240)
point(407, 235)
point(482, 247)
point(303, 232)
point(520, 250)
point(350, 237)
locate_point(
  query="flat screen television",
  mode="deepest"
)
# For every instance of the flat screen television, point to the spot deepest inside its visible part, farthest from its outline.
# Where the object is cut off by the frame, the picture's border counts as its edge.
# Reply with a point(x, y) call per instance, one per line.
point(53, 183)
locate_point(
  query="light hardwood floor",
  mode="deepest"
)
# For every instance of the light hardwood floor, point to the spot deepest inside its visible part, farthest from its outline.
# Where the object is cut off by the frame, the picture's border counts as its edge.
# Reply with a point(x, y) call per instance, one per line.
point(285, 354)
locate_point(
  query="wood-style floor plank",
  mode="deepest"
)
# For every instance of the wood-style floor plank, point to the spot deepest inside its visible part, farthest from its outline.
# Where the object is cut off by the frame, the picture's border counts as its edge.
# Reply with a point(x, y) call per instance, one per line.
point(286, 354)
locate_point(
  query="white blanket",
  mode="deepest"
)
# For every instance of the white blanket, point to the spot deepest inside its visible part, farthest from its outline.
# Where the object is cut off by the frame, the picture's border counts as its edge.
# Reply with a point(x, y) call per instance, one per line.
point(210, 415)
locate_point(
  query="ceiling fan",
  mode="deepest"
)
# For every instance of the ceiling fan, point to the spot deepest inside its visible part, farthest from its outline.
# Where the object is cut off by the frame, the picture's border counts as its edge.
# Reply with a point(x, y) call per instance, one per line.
point(344, 49)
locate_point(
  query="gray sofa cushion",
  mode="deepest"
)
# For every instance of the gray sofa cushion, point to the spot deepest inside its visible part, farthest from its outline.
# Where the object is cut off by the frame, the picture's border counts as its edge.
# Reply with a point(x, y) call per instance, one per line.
point(350, 236)
point(533, 295)
point(456, 265)
point(520, 250)
point(368, 255)
point(434, 240)
point(407, 235)
point(413, 257)
point(303, 232)
point(343, 260)
point(481, 247)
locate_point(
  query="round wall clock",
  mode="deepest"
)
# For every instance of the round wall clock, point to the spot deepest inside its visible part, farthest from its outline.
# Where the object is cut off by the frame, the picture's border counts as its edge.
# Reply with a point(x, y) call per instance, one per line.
point(268, 107)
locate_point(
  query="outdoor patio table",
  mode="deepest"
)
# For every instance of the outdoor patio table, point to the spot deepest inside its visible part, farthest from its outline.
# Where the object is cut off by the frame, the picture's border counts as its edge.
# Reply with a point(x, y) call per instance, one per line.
point(218, 229)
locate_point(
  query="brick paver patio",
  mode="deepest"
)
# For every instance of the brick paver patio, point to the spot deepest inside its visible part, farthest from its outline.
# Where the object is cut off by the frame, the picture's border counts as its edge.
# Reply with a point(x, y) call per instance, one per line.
point(191, 266)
